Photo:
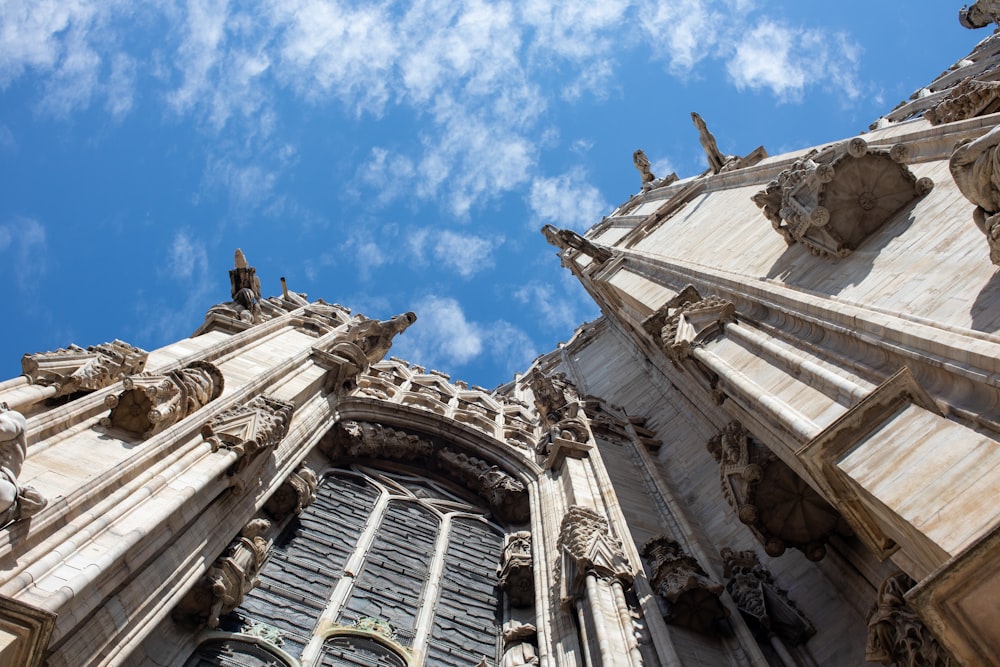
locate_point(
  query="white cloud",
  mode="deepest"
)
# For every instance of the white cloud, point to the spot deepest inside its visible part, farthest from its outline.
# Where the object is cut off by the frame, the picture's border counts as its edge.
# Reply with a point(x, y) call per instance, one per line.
point(786, 60)
point(553, 310)
point(441, 337)
point(465, 253)
point(188, 258)
point(25, 240)
point(683, 32)
point(567, 201)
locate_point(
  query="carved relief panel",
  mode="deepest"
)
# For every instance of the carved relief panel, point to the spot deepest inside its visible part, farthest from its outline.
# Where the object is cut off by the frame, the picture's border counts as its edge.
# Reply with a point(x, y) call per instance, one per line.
point(690, 598)
point(74, 369)
point(779, 507)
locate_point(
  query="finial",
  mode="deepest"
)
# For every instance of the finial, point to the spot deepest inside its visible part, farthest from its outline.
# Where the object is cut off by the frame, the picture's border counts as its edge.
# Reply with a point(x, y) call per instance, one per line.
point(241, 260)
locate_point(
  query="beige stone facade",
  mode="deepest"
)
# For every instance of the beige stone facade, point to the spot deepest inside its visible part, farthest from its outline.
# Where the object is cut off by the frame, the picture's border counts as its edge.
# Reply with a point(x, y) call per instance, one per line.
point(779, 445)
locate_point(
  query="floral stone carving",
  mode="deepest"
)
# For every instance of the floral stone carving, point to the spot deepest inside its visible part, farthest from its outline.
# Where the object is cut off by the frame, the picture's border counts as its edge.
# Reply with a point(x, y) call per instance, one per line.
point(295, 494)
point(516, 573)
point(249, 429)
point(974, 166)
point(74, 369)
point(896, 635)
point(585, 537)
point(766, 607)
point(152, 402)
point(780, 508)
point(16, 501)
point(968, 99)
point(690, 597)
point(228, 580)
point(683, 323)
point(832, 200)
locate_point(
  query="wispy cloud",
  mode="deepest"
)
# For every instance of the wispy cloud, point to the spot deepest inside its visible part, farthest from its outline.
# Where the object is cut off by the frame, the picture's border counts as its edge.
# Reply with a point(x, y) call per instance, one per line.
point(24, 248)
point(566, 201)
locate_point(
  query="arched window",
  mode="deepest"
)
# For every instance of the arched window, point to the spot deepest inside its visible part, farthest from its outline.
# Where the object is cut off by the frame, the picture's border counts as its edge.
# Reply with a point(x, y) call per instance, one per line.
point(386, 568)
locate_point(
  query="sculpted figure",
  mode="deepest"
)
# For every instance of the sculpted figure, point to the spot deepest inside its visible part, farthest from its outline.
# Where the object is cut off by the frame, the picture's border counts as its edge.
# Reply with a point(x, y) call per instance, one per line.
point(641, 163)
point(16, 502)
point(980, 14)
point(567, 238)
point(519, 644)
point(975, 166)
point(716, 160)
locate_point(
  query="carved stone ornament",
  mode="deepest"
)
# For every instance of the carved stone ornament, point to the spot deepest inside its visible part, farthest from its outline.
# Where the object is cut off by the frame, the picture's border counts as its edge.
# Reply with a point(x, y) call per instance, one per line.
point(516, 572)
point(832, 200)
point(975, 166)
point(555, 396)
point(980, 14)
point(567, 238)
point(228, 580)
point(249, 429)
point(245, 289)
point(507, 497)
point(74, 369)
point(519, 644)
point(969, 99)
point(780, 508)
point(717, 162)
point(16, 501)
point(896, 635)
point(152, 402)
point(366, 342)
point(688, 323)
point(690, 597)
point(585, 537)
point(766, 607)
point(295, 494)
point(649, 181)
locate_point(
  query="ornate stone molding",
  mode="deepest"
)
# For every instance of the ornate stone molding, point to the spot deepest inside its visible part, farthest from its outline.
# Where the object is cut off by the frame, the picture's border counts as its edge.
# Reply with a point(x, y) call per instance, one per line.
point(24, 632)
point(766, 607)
point(228, 580)
point(506, 496)
point(896, 635)
point(565, 239)
point(249, 429)
point(74, 369)
point(516, 572)
point(690, 597)
point(968, 99)
point(780, 508)
point(152, 402)
point(16, 501)
point(683, 323)
point(979, 14)
point(295, 494)
point(974, 167)
point(366, 342)
point(833, 199)
point(585, 537)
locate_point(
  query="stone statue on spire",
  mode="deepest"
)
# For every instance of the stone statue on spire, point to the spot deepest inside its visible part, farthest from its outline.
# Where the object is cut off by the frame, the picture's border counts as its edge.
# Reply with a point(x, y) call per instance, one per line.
point(980, 14)
point(716, 160)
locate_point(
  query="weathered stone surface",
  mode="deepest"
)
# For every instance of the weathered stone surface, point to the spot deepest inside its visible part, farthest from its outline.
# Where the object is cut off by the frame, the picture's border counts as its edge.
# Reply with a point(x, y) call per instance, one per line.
point(831, 200)
point(896, 635)
point(16, 501)
point(975, 166)
point(152, 402)
point(779, 507)
point(516, 572)
point(74, 369)
point(766, 606)
point(691, 598)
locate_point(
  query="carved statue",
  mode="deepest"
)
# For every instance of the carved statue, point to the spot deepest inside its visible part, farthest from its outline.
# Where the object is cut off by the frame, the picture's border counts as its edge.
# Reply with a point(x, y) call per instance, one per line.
point(16, 501)
point(567, 238)
point(74, 369)
point(690, 597)
point(975, 166)
point(980, 14)
point(228, 580)
point(152, 402)
point(716, 160)
point(519, 644)
point(245, 289)
point(365, 343)
point(896, 635)
point(516, 573)
point(766, 607)
point(641, 163)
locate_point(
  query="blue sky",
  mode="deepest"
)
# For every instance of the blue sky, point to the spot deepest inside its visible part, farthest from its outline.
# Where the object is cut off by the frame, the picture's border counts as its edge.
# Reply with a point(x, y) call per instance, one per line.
point(392, 156)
